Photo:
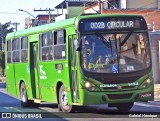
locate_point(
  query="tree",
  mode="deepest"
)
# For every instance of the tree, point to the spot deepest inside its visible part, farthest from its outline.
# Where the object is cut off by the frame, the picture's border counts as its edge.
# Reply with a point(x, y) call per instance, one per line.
point(4, 29)
point(2, 62)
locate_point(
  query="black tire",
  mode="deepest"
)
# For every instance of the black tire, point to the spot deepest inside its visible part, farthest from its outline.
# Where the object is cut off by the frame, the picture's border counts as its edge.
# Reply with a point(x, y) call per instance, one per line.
point(59, 107)
point(23, 94)
point(124, 107)
point(63, 101)
point(24, 99)
point(35, 104)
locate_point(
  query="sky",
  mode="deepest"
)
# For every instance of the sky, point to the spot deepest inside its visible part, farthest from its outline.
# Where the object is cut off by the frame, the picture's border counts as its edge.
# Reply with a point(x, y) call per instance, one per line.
point(9, 10)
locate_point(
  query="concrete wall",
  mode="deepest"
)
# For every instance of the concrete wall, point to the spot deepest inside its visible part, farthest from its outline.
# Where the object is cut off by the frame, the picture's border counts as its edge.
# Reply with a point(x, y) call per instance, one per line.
point(158, 4)
point(155, 52)
point(75, 11)
point(142, 4)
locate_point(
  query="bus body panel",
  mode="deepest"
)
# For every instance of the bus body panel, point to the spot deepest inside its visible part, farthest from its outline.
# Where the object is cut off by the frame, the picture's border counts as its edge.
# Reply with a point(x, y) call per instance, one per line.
point(11, 82)
point(22, 75)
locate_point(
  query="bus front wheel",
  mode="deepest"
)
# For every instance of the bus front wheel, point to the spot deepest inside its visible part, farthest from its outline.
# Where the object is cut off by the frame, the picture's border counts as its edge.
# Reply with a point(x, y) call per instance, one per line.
point(63, 100)
point(124, 107)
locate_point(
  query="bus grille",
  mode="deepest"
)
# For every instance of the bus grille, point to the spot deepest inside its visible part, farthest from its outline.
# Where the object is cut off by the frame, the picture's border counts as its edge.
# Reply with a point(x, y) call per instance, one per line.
point(115, 88)
point(119, 96)
point(118, 80)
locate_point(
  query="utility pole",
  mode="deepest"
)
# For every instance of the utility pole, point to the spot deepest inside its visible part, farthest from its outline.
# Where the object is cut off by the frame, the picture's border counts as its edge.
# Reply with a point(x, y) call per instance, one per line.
point(15, 24)
point(48, 11)
point(153, 26)
point(100, 6)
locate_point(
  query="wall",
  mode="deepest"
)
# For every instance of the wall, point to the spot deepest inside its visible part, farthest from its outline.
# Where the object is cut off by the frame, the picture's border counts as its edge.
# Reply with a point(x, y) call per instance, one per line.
point(142, 4)
point(155, 51)
point(75, 11)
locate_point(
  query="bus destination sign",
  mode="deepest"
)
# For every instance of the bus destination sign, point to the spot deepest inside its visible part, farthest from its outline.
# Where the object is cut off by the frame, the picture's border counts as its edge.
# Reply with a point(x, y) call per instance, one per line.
point(111, 25)
point(87, 25)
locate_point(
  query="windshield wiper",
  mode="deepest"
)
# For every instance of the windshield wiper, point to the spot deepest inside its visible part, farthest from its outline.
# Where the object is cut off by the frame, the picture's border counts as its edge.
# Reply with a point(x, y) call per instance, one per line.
point(126, 38)
point(104, 40)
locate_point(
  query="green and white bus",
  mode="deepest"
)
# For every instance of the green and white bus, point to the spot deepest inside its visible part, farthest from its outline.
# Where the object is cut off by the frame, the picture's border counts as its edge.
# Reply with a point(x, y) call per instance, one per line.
point(86, 60)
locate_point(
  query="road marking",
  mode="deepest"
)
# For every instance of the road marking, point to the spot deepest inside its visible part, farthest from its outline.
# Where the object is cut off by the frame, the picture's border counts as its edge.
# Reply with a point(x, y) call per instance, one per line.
point(146, 104)
point(13, 108)
point(154, 102)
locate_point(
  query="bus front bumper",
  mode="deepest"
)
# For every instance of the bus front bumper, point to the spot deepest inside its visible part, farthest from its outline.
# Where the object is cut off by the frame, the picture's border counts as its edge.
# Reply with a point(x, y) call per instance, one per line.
point(107, 97)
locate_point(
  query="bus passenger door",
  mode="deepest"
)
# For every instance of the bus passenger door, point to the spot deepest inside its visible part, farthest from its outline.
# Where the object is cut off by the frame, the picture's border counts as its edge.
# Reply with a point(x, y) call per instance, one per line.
point(34, 69)
point(73, 69)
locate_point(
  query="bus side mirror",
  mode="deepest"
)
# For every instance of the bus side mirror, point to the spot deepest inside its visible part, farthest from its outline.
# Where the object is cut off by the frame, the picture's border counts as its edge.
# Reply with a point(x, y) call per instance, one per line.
point(77, 44)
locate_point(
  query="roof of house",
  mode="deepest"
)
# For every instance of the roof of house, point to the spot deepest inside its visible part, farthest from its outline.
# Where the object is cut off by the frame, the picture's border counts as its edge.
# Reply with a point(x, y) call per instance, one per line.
point(75, 3)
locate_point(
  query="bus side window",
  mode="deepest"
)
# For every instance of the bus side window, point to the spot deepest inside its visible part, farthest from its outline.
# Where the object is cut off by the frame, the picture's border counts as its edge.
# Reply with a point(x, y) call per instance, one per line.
point(46, 46)
point(16, 50)
point(24, 49)
point(60, 44)
point(9, 51)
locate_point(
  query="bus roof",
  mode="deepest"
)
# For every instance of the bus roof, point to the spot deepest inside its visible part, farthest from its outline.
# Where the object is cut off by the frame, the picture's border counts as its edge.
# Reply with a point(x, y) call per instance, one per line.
point(41, 29)
point(106, 15)
point(59, 25)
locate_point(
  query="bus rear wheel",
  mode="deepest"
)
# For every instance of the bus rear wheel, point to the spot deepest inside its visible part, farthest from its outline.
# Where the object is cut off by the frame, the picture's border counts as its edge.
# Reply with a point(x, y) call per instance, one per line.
point(63, 101)
point(124, 107)
point(23, 93)
point(24, 99)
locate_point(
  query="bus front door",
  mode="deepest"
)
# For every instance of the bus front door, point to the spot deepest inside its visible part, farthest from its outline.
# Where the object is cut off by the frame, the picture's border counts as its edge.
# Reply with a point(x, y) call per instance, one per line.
point(73, 69)
point(34, 70)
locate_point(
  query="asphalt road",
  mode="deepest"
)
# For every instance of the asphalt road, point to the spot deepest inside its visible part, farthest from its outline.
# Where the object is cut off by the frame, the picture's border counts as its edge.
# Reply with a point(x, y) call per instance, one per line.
point(2, 85)
point(10, 104)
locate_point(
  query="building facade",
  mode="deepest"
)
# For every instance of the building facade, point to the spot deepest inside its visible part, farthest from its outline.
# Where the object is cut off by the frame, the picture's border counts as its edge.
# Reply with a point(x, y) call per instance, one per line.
point(150, 9)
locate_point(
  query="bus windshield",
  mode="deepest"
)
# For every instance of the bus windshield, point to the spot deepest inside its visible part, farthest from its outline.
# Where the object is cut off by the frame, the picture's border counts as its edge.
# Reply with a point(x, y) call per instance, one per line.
point(115, 53)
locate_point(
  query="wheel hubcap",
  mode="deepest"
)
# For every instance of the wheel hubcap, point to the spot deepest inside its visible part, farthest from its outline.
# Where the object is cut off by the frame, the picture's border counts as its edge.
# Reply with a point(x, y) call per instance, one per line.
point(64, 98)
point(23, 96)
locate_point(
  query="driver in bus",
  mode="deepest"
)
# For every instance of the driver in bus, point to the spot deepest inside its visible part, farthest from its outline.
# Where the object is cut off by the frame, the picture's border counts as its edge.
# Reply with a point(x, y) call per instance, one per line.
point(88, 50)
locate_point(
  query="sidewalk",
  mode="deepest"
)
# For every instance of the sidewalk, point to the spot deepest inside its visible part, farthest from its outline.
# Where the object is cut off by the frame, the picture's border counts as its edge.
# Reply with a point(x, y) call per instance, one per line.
point(2, 82)
point(2, 85)
point(156, 92)
point(2, 79)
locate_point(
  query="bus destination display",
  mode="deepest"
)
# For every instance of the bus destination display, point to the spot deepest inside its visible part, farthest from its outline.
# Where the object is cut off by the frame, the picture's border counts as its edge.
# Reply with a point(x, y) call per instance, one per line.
point(110, 24)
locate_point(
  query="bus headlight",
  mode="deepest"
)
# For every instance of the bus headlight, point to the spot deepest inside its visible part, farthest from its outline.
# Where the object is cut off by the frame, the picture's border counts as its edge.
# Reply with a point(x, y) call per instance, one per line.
point(87, 84)
point(90, 86)
point(146, 83)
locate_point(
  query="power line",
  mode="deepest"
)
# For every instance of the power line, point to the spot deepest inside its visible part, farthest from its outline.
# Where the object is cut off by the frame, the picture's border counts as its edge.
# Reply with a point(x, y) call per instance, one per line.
point(48, 11)
point(49, 3)
point(15, 24)
point(54, 2)
point(40, 4)
point(12, 13)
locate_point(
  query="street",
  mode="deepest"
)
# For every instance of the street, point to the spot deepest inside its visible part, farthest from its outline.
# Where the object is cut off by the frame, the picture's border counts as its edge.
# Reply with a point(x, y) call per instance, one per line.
point(10, 104)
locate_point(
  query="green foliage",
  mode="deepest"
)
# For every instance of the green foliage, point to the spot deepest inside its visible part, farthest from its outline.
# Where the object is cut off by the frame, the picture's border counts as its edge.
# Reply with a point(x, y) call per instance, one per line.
point(4, 29)
point(2, 62)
